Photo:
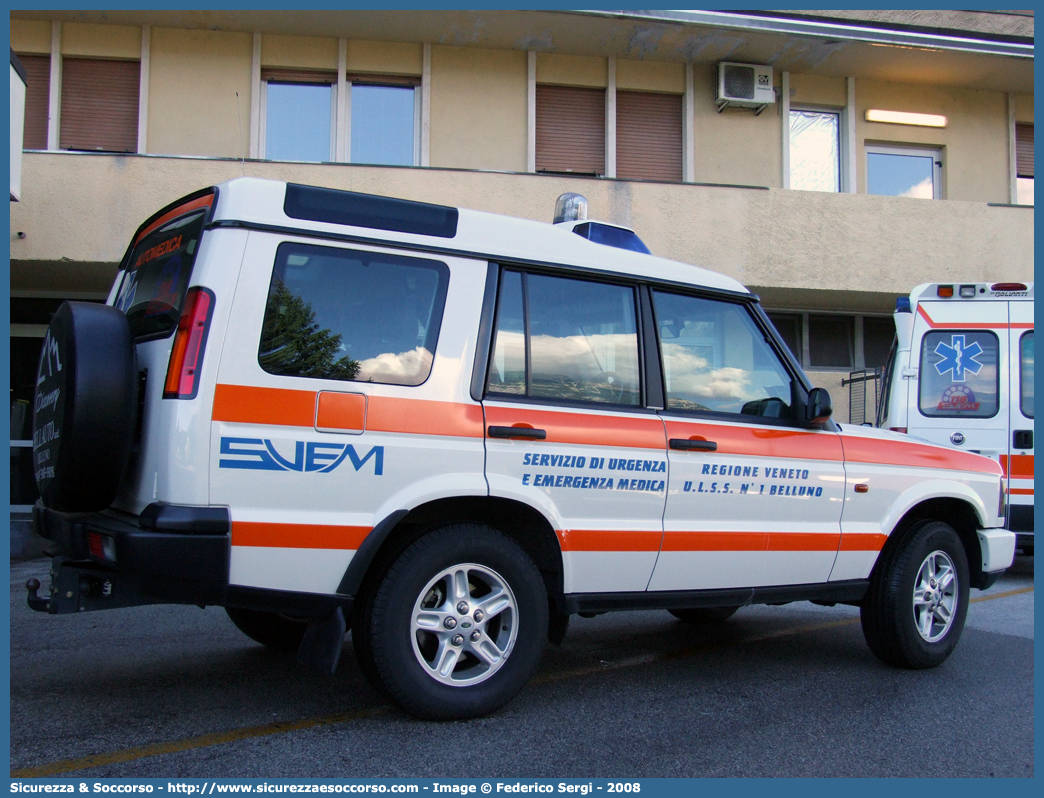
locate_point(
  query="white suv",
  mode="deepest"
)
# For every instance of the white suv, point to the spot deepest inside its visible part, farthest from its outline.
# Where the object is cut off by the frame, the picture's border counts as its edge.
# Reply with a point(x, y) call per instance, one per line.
point(450, 431)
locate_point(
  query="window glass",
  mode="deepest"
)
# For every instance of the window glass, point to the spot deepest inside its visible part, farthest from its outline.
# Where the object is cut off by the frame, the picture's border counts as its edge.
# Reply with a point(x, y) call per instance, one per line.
point(830, 342)
point(581, 338)
point(1024, 190)
point(789, 329)
point(958, 375)
point(157, 276)
point(297, 121)
point(382, 125)
point(716, 358)
point(1026, 375)
point(897, 173)
point(342, 315)
point(878, 333)
point(815, 162)
point(507, 373)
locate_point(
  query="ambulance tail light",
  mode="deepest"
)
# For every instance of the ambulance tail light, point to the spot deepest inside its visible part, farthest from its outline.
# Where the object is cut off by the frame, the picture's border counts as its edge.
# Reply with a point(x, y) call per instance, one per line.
point(944, 291)
point(101, 546)
point(898, 429)
point(186, 356)
point(1009, 287)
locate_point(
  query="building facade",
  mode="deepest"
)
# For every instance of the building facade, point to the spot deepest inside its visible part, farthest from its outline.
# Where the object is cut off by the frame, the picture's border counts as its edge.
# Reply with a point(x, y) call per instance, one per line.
point(885, 149)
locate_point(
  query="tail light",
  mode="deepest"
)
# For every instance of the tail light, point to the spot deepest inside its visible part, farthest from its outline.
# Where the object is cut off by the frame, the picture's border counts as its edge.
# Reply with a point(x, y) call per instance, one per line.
point(186, 356)
point(101, 546)
point(898, 429)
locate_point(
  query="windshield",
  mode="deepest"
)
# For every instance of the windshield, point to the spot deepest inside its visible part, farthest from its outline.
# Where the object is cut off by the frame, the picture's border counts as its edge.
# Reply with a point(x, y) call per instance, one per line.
point(157, 276)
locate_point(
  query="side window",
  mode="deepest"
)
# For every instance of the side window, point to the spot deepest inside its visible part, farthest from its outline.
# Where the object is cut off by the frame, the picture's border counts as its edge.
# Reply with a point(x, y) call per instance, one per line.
point(958, 375)
point(565, 339)
point(1026, 375)
point(338, 314)
point(716, 359)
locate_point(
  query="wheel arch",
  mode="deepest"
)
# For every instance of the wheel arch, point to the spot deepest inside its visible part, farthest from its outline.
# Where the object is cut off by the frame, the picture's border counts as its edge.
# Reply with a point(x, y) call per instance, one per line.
point(959, 514)
point(522, 523)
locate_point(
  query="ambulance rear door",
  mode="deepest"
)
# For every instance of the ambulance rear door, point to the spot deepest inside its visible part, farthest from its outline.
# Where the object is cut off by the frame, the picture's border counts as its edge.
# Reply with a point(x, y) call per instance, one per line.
point(959, 353)
point(1019, 463)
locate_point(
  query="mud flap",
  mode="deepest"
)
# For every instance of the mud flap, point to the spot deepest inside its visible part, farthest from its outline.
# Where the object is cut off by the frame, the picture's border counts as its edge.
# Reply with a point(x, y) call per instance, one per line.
point(322, 643)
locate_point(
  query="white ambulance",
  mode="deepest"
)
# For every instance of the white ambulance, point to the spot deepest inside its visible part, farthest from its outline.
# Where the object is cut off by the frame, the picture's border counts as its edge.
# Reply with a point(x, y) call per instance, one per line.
point(960, 373)
point(450, 431)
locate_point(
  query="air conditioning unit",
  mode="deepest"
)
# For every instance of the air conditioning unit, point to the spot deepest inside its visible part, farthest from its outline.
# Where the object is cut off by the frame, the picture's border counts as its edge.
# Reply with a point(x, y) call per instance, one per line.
point(744, 86)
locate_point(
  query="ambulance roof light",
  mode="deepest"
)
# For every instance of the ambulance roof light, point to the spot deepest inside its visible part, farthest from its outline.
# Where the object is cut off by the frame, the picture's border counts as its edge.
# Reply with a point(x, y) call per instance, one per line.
point(570, 207)
point(902, 304)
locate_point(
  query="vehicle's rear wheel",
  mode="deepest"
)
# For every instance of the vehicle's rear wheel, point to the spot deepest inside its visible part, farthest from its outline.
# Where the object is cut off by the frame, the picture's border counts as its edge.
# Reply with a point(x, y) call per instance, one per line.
point(85, 407)
point(914, 611)
point(704, 614)
point(272, 629)
point(455, 625)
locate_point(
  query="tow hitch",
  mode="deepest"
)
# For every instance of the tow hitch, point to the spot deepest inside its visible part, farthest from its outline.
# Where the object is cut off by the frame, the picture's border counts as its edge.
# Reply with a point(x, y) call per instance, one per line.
point(84, 587)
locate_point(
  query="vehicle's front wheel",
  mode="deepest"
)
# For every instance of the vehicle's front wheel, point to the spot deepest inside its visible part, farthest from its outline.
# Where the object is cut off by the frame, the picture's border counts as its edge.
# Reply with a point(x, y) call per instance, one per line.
point(914, 612)
point(456, 624)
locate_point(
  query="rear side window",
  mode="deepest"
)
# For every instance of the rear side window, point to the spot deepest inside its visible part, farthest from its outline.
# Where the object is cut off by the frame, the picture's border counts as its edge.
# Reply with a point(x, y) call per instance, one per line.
point(337, 314)
point(157, 276)
point(563, 339)
point(959, 375)
point(1026, 375)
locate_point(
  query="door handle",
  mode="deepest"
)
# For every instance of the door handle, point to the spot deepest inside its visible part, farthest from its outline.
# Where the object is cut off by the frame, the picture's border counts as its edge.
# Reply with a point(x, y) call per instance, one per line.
point(687, 444)
point(518, 432)
point(1022, 439)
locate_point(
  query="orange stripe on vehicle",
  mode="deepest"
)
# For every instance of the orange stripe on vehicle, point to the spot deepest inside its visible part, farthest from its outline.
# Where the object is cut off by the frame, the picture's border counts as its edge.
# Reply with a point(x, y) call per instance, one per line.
point(584, 428)
point(244, 404)
point(962, 325)
point(609, 540)
point(750, 541)
point(1021, 491)
point(857, 542)
point(297, 536)
point(902, 453)
point(181, 210)
point(1018, 466)
point(757, 441)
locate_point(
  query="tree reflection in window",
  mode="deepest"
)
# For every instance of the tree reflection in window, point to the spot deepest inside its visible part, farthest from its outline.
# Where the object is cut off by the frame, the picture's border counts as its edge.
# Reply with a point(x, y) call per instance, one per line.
point(293, 343)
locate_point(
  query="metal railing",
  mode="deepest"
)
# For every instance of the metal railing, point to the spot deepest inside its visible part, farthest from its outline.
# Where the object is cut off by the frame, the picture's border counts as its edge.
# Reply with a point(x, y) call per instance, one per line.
point(864, 386)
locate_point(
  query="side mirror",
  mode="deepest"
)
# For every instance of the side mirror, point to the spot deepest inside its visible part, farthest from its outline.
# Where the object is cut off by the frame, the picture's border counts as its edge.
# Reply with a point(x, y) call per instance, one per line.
point(818, 407)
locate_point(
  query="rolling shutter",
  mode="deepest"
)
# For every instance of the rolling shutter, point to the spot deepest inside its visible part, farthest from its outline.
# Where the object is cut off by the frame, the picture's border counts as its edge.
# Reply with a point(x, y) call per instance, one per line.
point(648, 136)
point(99, 105)
point(570, 130)
point(37, 97)
point(1024, 150)
point(299, 76)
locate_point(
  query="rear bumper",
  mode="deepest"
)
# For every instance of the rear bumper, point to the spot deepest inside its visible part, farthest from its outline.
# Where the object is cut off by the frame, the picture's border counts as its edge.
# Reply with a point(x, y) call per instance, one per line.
point(169, 553)
point(998, 549)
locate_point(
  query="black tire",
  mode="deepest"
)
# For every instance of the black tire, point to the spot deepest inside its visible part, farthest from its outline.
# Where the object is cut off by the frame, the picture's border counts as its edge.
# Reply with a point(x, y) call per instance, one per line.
point(700, 615)
point(399, 656)
point(85, 407)
point(907, 633)
point(279, 632)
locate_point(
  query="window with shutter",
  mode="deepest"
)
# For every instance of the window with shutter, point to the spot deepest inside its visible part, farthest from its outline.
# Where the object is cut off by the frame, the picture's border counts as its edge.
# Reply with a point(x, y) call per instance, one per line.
point(648, 136)
point(99, 105)
point(570, 130)
point(37, 97)
point(299, 112)
point(1024, 163)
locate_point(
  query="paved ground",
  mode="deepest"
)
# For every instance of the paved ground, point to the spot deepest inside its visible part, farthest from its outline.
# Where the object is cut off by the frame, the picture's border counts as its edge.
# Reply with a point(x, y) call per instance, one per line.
point(776, 691)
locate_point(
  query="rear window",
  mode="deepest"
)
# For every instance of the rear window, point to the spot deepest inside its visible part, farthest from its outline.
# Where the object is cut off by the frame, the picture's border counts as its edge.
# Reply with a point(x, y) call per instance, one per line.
point(340, 314)
point(959, 374)
point(157, 276)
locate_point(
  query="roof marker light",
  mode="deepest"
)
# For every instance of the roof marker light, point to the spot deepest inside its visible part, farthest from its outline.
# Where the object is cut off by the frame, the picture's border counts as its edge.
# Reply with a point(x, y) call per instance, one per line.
point(1008, 287)
point(967, 291)
point(944, 291)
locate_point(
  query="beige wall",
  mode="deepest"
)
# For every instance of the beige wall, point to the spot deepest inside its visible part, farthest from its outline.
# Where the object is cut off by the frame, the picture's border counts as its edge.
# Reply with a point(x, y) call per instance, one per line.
point(974, 142)
point(1024, 108)
point(298, 52)
point(572, 70)
point(101, 41)
point(735, 146)
point(193, 79)
point(650, 76)
point(478, 108)
point(385, 58)
point(818, 90)
point(788, 239)
point(30, 36)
